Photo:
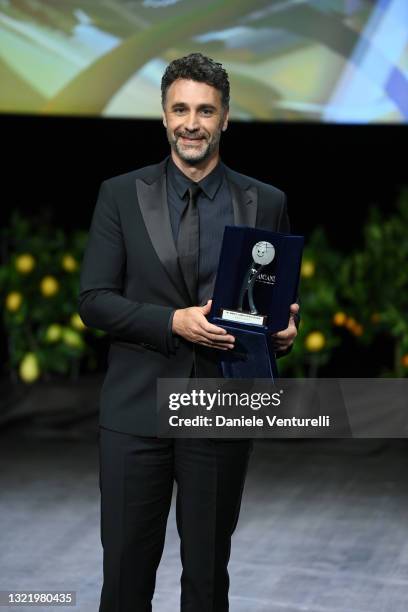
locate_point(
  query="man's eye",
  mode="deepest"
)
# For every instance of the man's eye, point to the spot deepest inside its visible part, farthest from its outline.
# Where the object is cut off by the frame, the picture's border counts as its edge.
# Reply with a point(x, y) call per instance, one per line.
point(207, 111)
point(179, 111)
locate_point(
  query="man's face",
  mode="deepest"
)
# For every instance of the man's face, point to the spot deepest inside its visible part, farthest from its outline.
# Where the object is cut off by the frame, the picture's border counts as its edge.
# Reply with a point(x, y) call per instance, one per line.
point(194, 119)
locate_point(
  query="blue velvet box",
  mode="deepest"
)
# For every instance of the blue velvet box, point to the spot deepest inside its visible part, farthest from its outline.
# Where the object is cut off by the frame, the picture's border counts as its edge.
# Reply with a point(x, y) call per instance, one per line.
point(275, 288)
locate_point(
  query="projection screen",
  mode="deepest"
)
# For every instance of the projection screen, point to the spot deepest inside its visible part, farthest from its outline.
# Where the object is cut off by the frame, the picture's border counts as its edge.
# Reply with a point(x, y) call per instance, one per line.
point(338, 61)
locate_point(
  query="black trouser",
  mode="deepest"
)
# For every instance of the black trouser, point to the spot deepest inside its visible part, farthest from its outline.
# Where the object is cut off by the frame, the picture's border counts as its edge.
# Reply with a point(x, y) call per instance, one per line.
point(136, 482)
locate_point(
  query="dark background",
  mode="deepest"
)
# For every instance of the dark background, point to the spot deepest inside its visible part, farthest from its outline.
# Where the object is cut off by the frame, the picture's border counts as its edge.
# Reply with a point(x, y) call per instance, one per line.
point(331, 173)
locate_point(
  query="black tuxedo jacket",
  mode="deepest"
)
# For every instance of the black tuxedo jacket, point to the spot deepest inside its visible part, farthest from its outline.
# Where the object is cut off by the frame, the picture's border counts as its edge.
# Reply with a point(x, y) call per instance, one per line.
point(131, 283)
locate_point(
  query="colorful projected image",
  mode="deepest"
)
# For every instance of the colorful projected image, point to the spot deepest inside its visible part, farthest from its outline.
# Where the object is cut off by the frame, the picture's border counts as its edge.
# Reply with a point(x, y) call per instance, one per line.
point(340, 61)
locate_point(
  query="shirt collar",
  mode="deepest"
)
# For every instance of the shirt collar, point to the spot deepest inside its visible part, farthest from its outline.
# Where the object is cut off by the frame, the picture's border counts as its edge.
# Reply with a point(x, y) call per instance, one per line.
point(209, 184)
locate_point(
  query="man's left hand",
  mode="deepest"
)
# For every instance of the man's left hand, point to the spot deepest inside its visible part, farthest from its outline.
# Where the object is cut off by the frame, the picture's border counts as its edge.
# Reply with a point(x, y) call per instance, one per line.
point(283, 340)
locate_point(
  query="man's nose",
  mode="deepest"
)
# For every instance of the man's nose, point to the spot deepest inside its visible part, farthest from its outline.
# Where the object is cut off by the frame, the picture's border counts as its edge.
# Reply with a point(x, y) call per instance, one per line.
point(192, 123)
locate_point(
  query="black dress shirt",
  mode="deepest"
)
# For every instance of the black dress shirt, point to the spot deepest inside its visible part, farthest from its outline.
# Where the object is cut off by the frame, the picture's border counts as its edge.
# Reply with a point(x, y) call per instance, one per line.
point(215, 212)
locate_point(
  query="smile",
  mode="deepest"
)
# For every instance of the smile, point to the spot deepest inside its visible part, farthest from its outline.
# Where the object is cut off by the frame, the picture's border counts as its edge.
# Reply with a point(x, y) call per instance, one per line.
point(187, 139)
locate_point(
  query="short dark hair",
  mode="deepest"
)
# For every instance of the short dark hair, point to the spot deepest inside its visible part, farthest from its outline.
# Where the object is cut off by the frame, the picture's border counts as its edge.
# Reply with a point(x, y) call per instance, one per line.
point(197, 67)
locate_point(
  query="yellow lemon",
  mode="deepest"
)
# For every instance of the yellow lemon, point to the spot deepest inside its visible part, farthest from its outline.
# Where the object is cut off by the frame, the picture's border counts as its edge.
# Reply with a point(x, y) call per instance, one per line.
point(25, 263)
point(354, 326)
point(29, 369)
point(315, 341)
point(77, 322)
point(72, 339)
point(308, 268)
point(14, 301)
point(404, 360)
point(53, 333)
point(357, 329)
point(350, 323)
point(339, 318)
point(69, 263)
point(49, 286)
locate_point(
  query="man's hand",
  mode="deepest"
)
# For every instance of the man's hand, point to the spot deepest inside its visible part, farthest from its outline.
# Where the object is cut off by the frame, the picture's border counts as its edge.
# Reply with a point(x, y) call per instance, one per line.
point(284, 339)
point(191, 324)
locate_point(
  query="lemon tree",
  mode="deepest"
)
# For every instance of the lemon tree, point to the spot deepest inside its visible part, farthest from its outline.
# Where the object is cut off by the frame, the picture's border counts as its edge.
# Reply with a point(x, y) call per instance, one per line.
point(374, 284)
point(39, 280)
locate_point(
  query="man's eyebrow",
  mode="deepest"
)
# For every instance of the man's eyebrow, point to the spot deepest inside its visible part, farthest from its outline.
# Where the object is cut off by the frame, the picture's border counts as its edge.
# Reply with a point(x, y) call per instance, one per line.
point(199, 107)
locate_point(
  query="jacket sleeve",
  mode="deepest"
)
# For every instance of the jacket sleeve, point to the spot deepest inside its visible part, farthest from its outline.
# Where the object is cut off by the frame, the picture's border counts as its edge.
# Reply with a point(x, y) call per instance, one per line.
point(284, 224)
point(101, 301)
point(284, 227)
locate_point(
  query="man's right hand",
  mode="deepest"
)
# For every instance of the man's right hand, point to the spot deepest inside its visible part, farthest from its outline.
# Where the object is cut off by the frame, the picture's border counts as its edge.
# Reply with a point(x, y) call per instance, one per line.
point(191, 324)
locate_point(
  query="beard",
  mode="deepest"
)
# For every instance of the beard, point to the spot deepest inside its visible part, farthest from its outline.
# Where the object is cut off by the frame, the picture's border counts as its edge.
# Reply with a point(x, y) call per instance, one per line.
point(194, 154)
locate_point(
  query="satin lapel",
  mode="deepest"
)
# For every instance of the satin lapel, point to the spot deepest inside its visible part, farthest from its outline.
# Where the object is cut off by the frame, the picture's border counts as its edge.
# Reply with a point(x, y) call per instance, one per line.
point(153, 205)
point(245, 204)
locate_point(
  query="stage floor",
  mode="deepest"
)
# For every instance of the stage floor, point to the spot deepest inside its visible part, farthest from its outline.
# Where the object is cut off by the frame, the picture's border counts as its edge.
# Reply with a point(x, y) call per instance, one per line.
point(323, 526)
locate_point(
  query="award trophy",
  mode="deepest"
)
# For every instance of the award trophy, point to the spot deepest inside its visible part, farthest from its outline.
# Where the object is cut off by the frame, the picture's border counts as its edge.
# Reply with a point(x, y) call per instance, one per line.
point(257, 280)
point(262, 254)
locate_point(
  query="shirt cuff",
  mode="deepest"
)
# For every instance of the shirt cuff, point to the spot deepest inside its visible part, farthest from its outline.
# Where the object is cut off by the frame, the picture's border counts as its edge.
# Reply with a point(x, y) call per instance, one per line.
point(171, 339)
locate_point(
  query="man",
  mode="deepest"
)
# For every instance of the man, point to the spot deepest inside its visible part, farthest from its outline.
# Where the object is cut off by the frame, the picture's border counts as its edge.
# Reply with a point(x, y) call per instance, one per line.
point(147, 280)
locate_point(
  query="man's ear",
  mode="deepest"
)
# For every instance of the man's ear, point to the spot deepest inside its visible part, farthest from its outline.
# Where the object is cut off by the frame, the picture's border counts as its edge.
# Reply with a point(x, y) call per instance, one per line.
point(225, 123)
point(164, 120)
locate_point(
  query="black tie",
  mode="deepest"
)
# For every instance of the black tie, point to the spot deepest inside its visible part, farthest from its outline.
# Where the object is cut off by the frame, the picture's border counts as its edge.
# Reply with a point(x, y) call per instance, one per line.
point(188, 242)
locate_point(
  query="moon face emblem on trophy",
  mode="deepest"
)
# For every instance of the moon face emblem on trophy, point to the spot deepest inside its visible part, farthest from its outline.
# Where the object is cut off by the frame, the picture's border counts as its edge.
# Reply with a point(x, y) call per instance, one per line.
point(263, 254)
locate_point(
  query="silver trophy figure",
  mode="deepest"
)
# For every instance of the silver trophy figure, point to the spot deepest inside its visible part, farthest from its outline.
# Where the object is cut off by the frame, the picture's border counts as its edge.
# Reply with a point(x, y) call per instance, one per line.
point(263, 254)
